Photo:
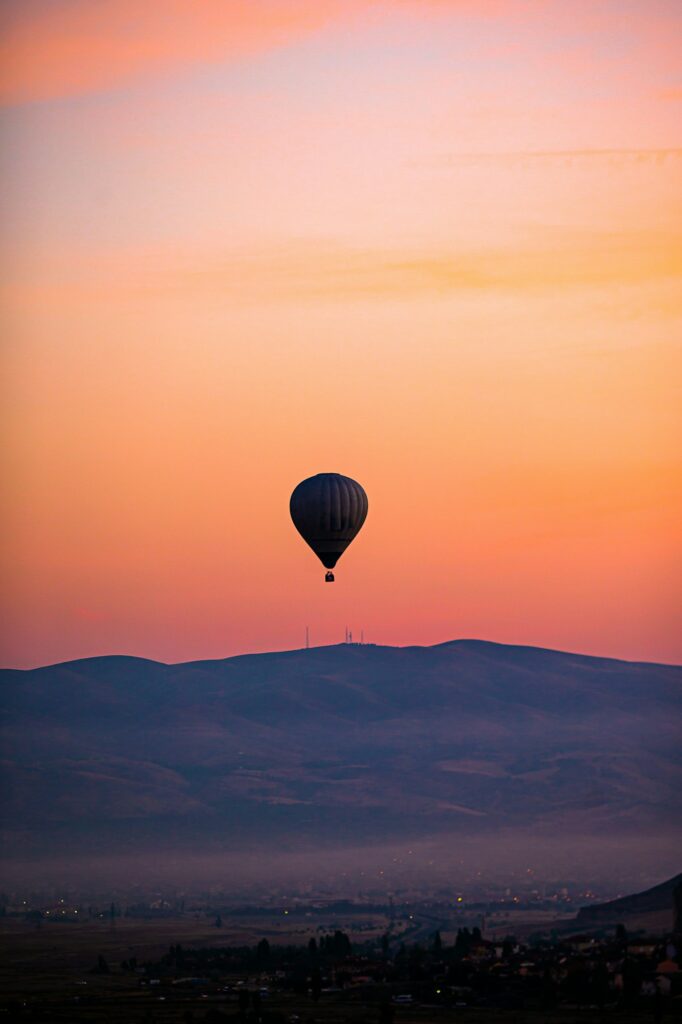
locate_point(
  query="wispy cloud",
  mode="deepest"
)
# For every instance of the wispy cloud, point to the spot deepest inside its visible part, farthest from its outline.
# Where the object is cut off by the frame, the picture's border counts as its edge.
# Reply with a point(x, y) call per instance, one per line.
point(53, 50)
point(554, 260)
point(611, 156)
point(557, 259)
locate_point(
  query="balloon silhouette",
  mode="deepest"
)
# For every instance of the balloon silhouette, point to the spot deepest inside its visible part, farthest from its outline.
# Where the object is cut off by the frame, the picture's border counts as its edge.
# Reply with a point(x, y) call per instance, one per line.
point(328, 511)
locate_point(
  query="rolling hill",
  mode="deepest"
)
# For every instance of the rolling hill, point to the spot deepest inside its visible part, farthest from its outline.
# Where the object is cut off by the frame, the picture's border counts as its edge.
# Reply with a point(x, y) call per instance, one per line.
point(336, 745)
point(650, 910)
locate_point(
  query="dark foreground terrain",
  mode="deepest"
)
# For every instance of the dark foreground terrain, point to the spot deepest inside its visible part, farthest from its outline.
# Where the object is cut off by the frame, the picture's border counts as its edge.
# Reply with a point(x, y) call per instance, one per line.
point(190, 971)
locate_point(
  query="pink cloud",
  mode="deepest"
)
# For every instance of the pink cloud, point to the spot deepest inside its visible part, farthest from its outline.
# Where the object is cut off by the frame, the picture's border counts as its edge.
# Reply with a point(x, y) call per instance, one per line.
point(55, 50)
point(52, 50)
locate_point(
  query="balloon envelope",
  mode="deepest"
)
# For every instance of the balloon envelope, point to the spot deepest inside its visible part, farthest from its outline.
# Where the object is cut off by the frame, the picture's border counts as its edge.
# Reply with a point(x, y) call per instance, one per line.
point(328, 511)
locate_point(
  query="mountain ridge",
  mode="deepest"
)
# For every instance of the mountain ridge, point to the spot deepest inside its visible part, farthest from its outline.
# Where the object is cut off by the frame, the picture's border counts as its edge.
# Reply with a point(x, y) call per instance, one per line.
point(470, 641)
point(338, 744)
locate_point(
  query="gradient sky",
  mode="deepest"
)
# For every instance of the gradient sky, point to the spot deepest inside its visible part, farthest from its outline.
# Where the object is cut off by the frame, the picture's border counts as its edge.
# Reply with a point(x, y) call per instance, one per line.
point(431, 245)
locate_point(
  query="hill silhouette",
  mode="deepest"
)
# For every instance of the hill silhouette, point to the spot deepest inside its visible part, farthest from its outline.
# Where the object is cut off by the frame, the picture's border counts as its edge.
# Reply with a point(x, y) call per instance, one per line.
point(657, 900)
point(338, 744)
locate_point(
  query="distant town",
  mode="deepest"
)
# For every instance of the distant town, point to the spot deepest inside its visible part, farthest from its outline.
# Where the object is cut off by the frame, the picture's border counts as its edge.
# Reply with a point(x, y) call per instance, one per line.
point(178, 956)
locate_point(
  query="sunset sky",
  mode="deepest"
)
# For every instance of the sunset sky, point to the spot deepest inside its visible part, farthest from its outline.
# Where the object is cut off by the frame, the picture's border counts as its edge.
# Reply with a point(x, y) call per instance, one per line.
point(430, 244)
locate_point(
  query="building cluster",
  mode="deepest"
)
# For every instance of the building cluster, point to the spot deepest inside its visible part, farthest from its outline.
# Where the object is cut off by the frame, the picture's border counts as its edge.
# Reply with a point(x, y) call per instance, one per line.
point(580, 971)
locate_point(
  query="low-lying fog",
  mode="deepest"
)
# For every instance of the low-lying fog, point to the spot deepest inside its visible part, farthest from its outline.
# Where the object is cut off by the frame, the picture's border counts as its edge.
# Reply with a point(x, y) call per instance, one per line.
point(474, 865)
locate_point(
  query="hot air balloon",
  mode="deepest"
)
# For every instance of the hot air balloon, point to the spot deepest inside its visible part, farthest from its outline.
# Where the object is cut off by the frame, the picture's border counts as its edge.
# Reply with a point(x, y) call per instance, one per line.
point(328, 511)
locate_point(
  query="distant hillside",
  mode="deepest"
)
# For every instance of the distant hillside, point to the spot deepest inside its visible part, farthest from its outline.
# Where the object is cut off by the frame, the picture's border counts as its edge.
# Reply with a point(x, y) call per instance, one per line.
point(652, 901)
point(343, 744)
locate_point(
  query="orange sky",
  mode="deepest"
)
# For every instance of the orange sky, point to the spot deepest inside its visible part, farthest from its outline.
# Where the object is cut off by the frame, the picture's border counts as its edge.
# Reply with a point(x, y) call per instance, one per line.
point(431, 245)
